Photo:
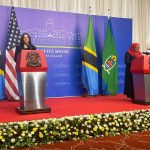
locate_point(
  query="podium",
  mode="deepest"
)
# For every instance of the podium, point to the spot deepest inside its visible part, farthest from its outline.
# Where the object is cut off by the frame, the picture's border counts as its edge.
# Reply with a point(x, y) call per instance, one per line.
point(32, 66)
point(140, 69)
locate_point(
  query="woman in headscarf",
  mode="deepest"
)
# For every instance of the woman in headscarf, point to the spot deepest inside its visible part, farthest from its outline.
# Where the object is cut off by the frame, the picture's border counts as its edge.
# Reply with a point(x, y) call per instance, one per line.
point(131, 54)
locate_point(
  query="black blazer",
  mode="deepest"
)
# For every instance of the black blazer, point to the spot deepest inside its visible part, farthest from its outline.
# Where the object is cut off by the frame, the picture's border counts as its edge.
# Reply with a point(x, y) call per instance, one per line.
point(20, 47)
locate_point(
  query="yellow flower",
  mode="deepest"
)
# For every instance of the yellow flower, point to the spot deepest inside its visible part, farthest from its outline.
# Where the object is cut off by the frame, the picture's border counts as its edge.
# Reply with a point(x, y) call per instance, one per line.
point(40, 135)
point(101, 128)
point(76, 133)
point(41, 128)
point(92, 117)
point(98, 120)
point(34, 129)
point(95, 128)
point(107, 128)
point(11, 130)
point(106, 133)
point(21, 125)
point(1, 137)
point(62, 128)
point(89, 121)
point(113, 123)
point(45, 131)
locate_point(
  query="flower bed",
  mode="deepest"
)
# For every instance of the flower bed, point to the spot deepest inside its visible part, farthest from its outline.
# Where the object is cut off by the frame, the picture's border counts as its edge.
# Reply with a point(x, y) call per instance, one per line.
point(28, 133)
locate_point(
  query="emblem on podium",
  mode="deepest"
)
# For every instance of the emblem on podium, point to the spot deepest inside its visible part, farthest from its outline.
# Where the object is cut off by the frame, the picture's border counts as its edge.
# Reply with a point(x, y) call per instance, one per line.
point(33, 59)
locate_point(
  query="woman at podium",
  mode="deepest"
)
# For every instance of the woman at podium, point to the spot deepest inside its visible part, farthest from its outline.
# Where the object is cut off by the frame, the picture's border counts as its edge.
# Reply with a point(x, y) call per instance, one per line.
point(131, 54)
point(25, 44)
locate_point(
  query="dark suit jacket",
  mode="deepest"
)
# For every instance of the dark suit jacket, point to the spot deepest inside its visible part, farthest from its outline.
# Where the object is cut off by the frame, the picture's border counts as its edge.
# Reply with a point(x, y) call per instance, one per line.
point(20, 47)
point(128, 87)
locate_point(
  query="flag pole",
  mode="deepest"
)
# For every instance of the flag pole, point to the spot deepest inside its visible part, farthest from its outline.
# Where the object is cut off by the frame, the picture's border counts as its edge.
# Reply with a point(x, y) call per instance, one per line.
point(12, 3)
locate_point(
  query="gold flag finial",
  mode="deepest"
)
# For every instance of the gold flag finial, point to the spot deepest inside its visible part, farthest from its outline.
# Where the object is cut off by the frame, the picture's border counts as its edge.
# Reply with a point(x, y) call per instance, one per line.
point(109, 12)
point(90, 10)
point(12, 2)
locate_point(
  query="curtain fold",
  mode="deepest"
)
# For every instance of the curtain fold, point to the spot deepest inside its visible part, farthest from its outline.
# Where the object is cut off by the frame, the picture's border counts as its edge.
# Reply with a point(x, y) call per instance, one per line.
point(138, 10)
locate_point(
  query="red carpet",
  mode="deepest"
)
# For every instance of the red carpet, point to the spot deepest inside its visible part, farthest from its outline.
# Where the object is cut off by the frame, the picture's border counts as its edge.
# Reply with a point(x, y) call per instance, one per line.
point(71, 106)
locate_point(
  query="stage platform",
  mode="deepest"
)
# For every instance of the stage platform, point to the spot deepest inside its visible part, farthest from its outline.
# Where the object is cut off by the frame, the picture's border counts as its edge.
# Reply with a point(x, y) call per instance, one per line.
point(71, 106)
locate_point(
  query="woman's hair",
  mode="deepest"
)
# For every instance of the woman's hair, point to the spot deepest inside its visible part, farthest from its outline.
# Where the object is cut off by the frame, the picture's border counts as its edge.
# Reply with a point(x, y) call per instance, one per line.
point(21, 41)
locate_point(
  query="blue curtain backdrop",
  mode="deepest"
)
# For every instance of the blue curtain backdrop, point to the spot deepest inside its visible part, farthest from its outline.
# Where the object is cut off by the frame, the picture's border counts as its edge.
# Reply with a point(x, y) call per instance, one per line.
point(61, 36)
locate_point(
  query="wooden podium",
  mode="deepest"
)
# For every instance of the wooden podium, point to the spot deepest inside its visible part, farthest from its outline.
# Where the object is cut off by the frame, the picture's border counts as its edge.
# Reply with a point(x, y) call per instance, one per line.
point(140, 69)
point(33, 68)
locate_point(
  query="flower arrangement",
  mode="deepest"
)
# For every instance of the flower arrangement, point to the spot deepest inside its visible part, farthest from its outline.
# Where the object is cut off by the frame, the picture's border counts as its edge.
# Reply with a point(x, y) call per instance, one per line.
point(28, 133)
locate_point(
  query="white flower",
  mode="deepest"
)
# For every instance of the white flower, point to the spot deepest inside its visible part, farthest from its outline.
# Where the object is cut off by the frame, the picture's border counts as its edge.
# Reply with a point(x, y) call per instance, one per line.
point(33, 140)
point(13, 140)
point(37, 125)
point(3, 140)
point(126, 124)
point(114, 129)
point(10, 123)
point(67, 125)
point(12, 147)
point(81, 131)
point(81, 117)
point(4, 133)
point(75, 139)
point(87, 131)
point(22, 134)
point(89, 126)
point(10, 135)
point(32, 132)
point(61, 119)
point(16, 127)
point(110, 123)
point(4, 130)
point(117, 124)
point(63, 132)
point(39, 121)
point(45, 126)
point(20, 137)
point(25, 122)
point(85, 122)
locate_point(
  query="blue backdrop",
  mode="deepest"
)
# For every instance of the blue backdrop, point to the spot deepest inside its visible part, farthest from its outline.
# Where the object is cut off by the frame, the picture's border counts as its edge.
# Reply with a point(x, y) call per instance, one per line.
point(61, 36)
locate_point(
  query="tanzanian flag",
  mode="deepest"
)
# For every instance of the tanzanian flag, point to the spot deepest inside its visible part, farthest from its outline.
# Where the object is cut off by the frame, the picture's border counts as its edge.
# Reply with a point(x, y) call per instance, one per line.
point(109, 64)
point(2, 81)
point(89, 63)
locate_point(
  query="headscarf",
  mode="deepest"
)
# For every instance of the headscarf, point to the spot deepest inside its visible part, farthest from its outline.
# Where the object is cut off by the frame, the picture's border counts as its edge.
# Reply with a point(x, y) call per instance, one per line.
point(133, 52)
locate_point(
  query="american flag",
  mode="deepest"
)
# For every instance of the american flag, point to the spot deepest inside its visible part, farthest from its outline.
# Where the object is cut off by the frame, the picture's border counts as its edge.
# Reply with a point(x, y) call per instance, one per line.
point(11, 84)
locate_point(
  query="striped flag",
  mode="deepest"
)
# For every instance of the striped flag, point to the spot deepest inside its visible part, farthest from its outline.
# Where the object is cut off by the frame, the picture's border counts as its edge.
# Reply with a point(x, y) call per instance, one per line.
point(11, 84)
point(89, 63)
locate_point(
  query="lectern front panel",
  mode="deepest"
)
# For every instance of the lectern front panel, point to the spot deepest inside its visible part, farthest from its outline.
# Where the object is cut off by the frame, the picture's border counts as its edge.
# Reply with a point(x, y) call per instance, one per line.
point(33, 89)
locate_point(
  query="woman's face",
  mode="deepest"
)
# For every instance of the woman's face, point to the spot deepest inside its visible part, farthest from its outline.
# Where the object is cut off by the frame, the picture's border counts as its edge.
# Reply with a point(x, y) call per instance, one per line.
point(137, 48)
point(26, 39)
